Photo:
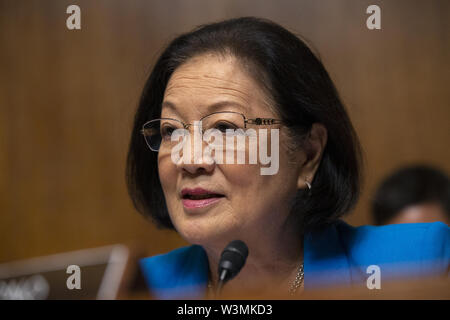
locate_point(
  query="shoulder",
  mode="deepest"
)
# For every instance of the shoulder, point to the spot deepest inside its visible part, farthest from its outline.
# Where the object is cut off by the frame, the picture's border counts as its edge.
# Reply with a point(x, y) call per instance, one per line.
point(174, 259)
point(413, 238)
point(179, 273)
point(424, 246)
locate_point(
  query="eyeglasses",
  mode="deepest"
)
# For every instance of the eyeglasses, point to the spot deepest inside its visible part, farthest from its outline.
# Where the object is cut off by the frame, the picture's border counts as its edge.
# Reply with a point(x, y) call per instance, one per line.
point(158, 132)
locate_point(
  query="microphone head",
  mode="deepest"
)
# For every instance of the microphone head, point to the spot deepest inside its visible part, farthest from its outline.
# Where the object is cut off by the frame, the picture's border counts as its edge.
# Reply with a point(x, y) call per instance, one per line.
point(232, 259)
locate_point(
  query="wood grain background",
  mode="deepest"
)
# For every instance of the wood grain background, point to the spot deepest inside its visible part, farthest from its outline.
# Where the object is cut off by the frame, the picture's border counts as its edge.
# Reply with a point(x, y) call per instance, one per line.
point(67, 99)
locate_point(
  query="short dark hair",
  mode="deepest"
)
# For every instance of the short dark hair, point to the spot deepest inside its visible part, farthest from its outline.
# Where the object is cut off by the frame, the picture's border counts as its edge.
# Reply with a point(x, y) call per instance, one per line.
point(409, 186)
point(303, 94)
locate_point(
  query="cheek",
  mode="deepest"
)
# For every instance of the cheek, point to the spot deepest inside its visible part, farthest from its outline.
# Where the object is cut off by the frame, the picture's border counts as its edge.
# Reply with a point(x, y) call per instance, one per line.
point(250, 191)
point(240, 177)
point(167, 175)
point(254, 193)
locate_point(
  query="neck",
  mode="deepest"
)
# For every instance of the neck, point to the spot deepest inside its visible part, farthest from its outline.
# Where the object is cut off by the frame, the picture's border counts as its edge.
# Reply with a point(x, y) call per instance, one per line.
point(272, 263)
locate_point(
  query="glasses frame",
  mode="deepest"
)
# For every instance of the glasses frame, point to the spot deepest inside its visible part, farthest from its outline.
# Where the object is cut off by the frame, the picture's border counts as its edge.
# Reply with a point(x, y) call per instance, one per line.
point(256, 121)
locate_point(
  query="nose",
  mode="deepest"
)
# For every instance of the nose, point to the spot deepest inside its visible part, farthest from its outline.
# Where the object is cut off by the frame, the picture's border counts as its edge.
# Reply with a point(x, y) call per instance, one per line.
point(196, 168)
point(197, 162)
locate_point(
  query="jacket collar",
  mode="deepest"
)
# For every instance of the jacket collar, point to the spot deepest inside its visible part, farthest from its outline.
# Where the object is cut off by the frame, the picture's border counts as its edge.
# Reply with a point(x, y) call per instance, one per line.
point(325, 259)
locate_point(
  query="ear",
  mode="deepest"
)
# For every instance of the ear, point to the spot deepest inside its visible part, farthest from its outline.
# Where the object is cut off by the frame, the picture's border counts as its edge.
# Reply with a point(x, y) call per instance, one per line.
point(314, 146)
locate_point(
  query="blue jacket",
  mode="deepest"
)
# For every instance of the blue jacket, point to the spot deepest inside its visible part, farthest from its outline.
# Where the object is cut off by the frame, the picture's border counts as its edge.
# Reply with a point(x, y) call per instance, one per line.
point(338, 255)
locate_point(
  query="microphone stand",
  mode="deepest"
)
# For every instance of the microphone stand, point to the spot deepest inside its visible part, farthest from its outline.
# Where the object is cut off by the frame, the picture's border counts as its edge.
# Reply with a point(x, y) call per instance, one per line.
point(220, 282)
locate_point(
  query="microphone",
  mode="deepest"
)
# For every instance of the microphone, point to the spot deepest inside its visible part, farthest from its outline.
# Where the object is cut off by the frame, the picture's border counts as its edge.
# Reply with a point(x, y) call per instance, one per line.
point(232, 260)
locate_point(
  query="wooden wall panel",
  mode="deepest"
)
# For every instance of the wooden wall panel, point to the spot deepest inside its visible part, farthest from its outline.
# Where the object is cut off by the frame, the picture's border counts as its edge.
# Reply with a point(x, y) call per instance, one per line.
point(67, 100)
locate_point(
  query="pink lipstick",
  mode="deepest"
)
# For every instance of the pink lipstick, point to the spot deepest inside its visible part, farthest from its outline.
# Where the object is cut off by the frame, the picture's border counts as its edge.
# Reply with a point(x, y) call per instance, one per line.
point(199, 197)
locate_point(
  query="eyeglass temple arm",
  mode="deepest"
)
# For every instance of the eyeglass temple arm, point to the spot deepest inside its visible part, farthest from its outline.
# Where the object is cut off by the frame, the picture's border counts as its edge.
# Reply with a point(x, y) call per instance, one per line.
point(261, 121)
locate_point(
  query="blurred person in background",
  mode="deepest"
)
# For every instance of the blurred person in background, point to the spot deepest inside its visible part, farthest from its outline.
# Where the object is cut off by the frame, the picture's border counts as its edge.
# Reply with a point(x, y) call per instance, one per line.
point(411, 195)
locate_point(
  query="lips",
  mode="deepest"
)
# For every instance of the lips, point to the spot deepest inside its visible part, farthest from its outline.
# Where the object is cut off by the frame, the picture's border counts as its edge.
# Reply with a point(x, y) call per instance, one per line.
point(199, 197)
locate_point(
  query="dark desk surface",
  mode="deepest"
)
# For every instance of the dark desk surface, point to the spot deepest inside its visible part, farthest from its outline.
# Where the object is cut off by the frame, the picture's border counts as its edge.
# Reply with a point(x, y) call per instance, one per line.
point(433, 288)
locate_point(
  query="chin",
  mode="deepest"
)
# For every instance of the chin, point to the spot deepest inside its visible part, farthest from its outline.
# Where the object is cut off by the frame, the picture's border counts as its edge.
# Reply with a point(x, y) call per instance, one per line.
point(203, 233)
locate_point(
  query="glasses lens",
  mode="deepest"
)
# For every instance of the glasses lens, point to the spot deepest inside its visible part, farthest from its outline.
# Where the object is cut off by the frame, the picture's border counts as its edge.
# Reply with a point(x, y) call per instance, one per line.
point(158, 133)
point(217, 125)
point(223, 121)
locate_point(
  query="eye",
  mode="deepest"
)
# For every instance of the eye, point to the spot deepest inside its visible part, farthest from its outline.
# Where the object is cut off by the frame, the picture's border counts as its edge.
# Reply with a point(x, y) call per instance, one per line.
point(166, 131)
point(224, 125)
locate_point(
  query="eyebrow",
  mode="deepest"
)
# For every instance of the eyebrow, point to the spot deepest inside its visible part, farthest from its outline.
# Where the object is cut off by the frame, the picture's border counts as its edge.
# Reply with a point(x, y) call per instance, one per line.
point(211, 108)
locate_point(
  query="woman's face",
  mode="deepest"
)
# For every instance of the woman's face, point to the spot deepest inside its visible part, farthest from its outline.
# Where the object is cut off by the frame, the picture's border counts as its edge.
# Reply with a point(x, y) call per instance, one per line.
point(249, 203)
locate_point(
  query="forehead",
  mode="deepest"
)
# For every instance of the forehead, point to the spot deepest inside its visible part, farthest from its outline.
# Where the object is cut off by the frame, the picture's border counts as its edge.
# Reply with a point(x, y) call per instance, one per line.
point(204, 83)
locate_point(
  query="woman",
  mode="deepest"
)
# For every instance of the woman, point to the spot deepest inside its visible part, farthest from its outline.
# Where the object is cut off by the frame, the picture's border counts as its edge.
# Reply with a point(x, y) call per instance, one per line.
point(245, 74)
